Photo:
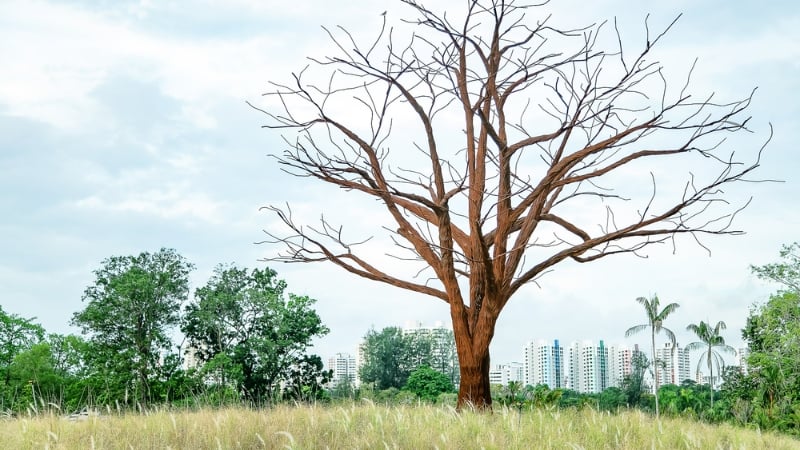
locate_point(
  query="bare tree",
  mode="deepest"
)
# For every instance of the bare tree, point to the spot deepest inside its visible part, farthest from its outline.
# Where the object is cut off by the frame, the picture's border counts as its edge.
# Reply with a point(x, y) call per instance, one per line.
point(534, 145)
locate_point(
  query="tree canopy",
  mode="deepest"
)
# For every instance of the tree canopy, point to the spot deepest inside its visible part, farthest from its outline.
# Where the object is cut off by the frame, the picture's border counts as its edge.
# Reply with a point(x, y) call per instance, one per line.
point(130, 311)
point(255, 335)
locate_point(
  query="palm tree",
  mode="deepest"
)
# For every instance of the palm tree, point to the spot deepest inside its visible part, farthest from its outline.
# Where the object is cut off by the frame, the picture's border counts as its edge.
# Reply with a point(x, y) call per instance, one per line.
point(713, 343)
point(655, 322)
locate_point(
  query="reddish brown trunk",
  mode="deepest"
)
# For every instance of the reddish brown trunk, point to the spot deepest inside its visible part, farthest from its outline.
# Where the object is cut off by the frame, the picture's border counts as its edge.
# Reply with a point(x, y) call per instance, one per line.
point(474, 390)
point(472, 346)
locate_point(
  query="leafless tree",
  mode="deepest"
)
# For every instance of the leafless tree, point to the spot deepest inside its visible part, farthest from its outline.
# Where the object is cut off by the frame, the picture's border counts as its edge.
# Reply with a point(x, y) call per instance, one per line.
point(538, 146)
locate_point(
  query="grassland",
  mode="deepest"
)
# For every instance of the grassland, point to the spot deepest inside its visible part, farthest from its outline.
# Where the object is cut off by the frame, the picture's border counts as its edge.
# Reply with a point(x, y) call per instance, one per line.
point(366, 426)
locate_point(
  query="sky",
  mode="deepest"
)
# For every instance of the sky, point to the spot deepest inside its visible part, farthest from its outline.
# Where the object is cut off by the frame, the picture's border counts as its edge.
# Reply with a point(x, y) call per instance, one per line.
point(124, 128)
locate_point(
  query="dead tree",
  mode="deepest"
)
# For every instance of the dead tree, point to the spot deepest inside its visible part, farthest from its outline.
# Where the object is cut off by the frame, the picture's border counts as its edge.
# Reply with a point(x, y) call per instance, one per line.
point(538, 146)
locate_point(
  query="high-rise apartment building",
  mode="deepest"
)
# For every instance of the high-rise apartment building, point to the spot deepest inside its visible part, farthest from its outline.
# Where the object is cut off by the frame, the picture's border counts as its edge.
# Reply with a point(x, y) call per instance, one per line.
point(503, 373)
point(674, 365)
point(620, 360)
point(544, 364)
point(344, 368)
point(588, 368)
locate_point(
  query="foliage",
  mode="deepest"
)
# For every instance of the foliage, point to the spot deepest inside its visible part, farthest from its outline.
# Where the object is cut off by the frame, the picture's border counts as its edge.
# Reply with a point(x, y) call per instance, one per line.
point(38, 369)
point(16, 335)
point(655, 322)
point(633, 384)
point(428, 383)
point(252, 336)
point(612, 399)
point(344, 388)
point(689, 399)
point(385, 362)
point(131, 309)
point(306, 378)
point(390, 355)
point(766, 392)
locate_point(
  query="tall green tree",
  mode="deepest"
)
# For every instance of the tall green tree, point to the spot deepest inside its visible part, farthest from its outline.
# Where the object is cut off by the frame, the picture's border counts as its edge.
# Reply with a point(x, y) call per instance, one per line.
point(130, 311)
point(17, 334)
point(243, 323)
point(772, 385)
point(713, 344)
point(385, 358)
point(633, 383)
point(655, 322)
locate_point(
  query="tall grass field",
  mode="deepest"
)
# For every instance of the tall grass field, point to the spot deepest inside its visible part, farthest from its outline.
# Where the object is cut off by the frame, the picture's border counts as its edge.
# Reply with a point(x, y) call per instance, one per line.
point(367, 426)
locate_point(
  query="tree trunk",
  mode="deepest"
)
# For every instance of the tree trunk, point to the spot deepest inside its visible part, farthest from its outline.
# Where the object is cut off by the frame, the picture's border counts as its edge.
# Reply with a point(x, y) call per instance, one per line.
point(472, 346)
point(474, 391)
point(655, 369)
point(711, 383)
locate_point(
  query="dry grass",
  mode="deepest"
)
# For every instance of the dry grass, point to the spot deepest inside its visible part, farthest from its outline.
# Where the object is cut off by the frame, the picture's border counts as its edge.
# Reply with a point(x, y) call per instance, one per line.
point(366, 426)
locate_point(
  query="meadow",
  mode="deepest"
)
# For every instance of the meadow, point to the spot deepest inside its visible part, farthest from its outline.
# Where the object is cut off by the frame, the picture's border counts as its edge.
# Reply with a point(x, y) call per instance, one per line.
point(369, 426)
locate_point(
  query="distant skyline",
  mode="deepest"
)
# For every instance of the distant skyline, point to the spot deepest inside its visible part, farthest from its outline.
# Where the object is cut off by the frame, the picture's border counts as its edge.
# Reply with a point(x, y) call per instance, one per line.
point(630, 343)
point(124, 128)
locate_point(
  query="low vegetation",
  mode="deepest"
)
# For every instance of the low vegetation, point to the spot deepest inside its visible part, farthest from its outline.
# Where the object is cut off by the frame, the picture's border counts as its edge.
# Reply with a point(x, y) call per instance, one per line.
point(365, 425)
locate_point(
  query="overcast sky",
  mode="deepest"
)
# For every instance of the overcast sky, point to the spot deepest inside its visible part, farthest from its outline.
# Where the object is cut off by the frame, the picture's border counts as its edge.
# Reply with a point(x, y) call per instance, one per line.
point(124, 128)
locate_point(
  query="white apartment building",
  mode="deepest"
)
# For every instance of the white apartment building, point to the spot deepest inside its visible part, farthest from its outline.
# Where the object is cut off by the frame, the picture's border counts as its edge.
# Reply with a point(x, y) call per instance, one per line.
point(621, 362)
point(544, 364)
point(674, 364)
point(588, 369)
point(741, 359)
point(344, 367)
point(503, 373)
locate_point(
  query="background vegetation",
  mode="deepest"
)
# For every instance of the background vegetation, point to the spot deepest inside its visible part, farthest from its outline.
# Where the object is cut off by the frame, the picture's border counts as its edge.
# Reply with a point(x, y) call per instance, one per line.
point(251, 339)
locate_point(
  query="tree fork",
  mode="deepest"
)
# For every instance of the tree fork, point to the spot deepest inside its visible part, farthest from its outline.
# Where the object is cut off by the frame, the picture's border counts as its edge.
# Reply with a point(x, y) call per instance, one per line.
point(545, 123)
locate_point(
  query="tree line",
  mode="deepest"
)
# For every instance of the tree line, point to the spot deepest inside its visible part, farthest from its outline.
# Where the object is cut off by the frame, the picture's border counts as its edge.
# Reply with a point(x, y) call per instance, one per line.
point(250, 340)
point(248, 336)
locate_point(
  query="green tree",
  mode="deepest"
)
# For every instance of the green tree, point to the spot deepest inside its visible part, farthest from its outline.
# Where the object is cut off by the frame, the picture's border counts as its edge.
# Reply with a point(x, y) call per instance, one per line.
point(131, 309)
point(306, 380)
point(772, 332)
point(612, 399)
point(344, 388)
point(768, 393)
point(713, 344)
point(541, 396)
point(633, 383)
point(655, 322)
point(16, 335)
point(255, 336)
point(385, 358)
point(428, 383)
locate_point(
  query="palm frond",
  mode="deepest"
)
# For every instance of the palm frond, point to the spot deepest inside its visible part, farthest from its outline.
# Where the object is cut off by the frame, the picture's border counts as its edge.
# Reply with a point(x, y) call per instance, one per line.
point(635, 329)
